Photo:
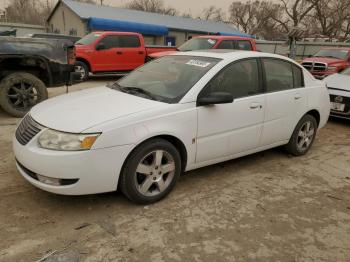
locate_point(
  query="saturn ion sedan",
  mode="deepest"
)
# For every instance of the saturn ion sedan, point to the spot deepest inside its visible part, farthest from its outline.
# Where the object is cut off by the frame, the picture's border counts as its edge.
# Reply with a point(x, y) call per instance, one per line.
point(175, 114)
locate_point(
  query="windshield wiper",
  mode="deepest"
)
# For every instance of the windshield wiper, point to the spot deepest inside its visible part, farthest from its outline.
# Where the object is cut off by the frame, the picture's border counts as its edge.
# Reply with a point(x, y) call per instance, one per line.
point(138, 90)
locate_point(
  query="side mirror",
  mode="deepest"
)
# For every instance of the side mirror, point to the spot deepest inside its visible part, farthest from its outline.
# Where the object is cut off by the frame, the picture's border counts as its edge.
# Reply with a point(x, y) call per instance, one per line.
point(100, 46)
point(215, 98)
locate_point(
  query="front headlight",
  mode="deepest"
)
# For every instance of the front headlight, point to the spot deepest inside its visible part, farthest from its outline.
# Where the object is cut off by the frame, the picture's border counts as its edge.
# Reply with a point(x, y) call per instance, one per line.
point(55, 140)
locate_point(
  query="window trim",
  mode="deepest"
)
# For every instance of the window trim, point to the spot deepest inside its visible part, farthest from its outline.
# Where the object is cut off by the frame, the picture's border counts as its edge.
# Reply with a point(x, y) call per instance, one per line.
point(279, 59)
point(260, 79)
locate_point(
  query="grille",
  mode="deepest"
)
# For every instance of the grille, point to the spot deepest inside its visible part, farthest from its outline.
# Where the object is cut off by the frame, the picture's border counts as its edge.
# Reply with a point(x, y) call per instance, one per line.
point(27, 129)
point(314, 66)
point(307, 65)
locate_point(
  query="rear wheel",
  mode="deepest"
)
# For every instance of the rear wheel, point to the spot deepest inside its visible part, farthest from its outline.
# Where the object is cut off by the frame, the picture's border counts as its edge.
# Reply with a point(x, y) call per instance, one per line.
point(19, 92)
point(303, 136)
point(82, 69)
point(151, 171)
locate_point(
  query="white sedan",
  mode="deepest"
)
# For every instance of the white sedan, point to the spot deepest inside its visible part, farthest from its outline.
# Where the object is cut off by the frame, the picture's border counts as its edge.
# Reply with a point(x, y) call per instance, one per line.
point(339, 90)
point(175, 114)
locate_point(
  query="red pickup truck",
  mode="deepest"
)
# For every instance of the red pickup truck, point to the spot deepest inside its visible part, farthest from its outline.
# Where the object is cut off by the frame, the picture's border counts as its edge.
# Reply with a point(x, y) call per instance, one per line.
point(212, 42)
point(112, 52)
point(327, 62)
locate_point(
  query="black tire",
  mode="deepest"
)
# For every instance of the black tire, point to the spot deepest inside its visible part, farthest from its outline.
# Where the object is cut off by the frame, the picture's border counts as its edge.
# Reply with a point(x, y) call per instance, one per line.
point(19, 92)
point(131, 181)
point(148, 59)
point(293, 147)
point(83, 69)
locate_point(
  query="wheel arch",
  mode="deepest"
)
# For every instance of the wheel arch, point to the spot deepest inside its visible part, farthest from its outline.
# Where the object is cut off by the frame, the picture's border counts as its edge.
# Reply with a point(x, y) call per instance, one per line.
point(316, 114)
point(175, 141)
point(85, 61)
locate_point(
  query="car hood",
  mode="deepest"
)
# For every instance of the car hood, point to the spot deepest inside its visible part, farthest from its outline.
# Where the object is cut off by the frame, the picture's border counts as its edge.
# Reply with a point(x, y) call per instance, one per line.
point(326, 60)
point(78, 111)
point(338, 81)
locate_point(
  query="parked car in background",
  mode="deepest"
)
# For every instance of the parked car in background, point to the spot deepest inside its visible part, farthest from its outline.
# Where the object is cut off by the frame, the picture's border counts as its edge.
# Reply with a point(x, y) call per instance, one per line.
point(28, 66)
point(327, 62)
point(339, 90)
point(180, 112)
point(212, 42)
point(56, 36)
point(112, 52)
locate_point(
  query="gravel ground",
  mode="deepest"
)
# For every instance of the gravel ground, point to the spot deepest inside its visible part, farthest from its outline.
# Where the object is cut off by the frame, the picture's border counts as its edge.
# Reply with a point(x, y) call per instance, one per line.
point(264, 207)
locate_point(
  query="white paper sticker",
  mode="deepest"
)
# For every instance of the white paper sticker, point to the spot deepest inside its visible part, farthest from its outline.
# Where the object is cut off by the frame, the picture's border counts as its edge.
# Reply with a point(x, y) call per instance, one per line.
point(211, 41)
point(198, 63)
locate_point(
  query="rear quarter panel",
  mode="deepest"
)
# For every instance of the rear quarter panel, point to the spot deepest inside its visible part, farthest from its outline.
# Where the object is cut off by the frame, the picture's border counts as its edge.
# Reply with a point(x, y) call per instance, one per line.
point(318, 97)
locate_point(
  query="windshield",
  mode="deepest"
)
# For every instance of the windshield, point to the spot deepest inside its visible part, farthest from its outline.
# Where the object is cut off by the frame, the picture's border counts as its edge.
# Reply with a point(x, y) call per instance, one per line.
point(88, 39)
point(333, 53)
point(166, 79)
point(346, 72)
point(197, 44)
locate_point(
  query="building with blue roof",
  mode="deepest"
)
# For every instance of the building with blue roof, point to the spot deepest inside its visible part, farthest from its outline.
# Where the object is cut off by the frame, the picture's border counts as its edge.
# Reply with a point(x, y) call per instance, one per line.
point(77, 19)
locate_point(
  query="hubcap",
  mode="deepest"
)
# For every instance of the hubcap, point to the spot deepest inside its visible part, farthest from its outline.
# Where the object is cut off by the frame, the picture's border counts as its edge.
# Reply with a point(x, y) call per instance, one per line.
point(305, 136)
point(22, 95)
point(154, 173)
point(79, 69)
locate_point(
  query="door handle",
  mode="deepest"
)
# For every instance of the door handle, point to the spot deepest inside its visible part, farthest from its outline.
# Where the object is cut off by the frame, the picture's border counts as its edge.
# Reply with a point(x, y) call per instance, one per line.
point(141, 52)
point(119, 53)
point(297, 96)
point(255, 106)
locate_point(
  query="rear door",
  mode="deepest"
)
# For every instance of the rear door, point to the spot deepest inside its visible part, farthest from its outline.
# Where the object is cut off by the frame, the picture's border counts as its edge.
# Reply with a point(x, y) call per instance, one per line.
point(130, 52)
point(286, 100)
point(228, 129)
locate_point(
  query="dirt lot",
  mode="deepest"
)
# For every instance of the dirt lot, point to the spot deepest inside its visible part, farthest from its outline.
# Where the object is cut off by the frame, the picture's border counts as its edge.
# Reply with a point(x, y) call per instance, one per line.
point(264, 207)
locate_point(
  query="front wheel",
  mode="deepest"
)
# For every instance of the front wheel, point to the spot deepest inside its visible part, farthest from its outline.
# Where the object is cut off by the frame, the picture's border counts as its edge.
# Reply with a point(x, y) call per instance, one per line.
point(303, 136)
point(82, 69)
point(150, 172)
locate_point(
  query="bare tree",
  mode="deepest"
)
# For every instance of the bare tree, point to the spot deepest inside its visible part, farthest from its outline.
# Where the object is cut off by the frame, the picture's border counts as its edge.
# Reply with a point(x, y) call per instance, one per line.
point(331, 17)
point(153, 6)
point(27, 11)
point(254, 17)
point(213, 13)
point(293, 12)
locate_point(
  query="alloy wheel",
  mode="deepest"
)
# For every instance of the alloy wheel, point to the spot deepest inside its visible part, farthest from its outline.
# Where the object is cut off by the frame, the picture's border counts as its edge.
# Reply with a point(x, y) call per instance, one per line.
point(154, 173)
point(305, 136)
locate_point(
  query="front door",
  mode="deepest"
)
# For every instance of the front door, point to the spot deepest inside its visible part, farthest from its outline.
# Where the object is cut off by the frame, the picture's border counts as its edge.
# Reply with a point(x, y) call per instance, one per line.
point(106, 56)
point(228, 129)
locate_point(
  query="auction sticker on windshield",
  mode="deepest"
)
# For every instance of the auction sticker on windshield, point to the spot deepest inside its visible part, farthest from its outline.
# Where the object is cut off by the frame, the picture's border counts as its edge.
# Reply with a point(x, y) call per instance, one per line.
point(198, 63)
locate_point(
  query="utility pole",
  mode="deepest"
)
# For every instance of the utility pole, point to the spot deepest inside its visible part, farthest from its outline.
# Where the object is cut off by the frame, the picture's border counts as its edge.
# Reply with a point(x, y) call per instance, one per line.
point(101, 2)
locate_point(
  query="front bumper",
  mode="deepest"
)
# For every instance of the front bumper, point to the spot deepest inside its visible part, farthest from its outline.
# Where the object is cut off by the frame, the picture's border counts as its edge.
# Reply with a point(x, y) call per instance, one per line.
point(93, 171)
point(321, 74)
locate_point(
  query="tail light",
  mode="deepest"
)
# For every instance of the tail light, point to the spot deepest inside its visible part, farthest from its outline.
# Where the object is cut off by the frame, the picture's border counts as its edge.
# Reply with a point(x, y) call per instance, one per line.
point(71, 55)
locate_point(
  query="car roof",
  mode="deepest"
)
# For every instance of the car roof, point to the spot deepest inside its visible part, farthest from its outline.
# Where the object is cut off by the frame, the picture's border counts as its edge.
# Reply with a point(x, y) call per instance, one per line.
point(224, 37)
point(231, 55)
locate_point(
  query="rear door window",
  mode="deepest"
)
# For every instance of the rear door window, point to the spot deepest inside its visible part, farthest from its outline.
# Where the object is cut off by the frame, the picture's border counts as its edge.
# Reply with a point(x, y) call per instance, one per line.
point(298, 77)
point(278, 75)
point(129, 41)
